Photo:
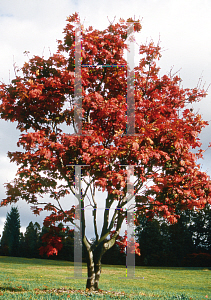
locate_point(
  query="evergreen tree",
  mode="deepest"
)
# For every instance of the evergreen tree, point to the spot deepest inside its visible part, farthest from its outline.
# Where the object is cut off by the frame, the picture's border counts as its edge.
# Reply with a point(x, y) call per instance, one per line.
point(11, 234)
point(22, 245)
point(181, 239)
point(209, 229)
point(163, 244)
point(32, 239)
point(151, 243)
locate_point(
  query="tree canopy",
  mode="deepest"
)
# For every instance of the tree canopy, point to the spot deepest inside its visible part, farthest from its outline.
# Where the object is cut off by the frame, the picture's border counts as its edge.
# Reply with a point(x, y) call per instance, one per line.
point(41, 100)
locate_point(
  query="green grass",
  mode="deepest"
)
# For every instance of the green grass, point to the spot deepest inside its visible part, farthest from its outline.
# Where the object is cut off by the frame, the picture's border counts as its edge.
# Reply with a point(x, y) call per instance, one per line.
point(22, 278)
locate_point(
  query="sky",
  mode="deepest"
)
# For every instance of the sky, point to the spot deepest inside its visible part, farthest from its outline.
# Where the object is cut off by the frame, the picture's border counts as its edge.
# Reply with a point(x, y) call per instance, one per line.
point(182, 27)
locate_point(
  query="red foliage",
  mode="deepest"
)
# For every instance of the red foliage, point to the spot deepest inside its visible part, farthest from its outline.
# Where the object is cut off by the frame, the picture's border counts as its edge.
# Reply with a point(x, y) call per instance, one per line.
point(122, 243)
point(52, 242)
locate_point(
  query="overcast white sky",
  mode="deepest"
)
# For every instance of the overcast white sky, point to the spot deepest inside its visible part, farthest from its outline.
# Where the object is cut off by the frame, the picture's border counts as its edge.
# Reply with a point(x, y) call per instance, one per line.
point(183, 27)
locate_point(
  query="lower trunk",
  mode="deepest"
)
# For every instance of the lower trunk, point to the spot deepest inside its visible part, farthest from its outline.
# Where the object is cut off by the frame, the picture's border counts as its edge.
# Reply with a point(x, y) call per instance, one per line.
point(94, 271)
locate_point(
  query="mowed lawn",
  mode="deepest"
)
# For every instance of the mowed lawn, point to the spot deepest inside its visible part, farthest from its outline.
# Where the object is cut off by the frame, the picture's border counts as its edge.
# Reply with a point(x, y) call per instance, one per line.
point(22, 278)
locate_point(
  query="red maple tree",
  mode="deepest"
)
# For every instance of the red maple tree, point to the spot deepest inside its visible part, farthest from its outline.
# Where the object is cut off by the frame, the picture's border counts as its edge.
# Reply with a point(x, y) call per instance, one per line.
point(41, 100)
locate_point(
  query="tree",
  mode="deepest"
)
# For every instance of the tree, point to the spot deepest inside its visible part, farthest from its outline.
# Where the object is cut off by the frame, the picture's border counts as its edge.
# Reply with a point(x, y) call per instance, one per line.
point(11, 233)
point(175, 244)
point(209, 229)
point(65, 237)
point(22, 245)
point(67, 251)
point(42, 243)
point(31, 239)
point(41, 100)
point(151, 243)
point(181, 242)
point(200, 222)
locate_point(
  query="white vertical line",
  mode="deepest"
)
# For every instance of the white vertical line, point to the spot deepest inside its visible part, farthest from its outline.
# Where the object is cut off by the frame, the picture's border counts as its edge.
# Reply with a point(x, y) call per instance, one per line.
point(78, 83)
point(130, 80)
point(130, 258)
point(78, 227)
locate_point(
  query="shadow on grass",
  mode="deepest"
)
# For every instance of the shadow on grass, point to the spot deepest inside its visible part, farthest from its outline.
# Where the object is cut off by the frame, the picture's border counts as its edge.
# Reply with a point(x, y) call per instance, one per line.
point(11, 289)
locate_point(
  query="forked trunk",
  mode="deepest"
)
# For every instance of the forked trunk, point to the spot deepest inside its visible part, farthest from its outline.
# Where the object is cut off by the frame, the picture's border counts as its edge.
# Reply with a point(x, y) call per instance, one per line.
point(94, 271)
point(96, 251)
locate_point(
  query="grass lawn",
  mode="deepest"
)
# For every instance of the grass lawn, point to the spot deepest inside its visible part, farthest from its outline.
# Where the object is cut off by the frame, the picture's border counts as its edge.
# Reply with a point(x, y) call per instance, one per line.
point(22, 278)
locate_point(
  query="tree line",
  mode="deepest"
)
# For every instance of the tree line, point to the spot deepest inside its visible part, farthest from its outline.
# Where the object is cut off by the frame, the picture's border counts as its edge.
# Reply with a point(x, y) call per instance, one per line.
point(15, 243)
point(185, 243)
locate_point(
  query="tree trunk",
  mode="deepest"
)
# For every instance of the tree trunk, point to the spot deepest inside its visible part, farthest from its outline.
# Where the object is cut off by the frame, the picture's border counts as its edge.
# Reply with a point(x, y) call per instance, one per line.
point(94, 271)
point(97, 274)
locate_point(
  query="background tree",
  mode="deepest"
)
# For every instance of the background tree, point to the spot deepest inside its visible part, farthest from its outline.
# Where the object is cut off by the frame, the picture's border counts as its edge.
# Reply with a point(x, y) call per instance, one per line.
point(154, 242)
point(22, 245)
point(31, 240)
point(181, 242)
point(41, 100)
point(65, 236)
point(185, 243)
point(11, 233)
point(67, 251)
point(209, 229)
point(200, 220)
